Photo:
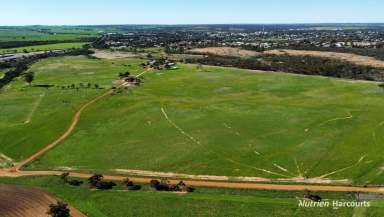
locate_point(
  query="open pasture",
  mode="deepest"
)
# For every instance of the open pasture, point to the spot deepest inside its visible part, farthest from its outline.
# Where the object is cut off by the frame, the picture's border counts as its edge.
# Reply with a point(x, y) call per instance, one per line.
point(33, 116)
point(224, 122)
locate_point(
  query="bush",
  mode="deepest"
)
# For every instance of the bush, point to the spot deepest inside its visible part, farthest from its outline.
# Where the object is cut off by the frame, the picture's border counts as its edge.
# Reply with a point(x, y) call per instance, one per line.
point(75, 182)
point(95, 179)
point(164, 185)
point(59, 209)
point(105, 185)
point(134, 188)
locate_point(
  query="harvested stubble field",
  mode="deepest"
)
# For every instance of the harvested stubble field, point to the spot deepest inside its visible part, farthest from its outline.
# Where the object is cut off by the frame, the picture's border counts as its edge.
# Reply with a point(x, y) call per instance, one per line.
point(225, 51)
point(17, 201)
point(238, 52)
point(348, 57)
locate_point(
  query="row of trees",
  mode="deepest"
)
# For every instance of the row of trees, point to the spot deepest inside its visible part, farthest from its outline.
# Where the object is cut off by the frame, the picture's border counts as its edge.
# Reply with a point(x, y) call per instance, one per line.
point(60, 209)
point(19, 68)
point(165, 185)
point(97, 181)
point(81, 85)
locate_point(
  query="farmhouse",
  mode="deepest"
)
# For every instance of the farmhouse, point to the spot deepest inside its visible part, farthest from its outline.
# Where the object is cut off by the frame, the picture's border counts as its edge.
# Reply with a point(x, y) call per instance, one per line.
point(126, 80)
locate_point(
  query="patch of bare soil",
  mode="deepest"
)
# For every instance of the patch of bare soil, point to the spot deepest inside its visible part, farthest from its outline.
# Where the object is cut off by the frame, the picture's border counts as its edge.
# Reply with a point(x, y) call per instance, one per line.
point(347, 57)
point(18, 201)
point(109, 55)
point(170, 175)
point(225, 51)
point(145, 173)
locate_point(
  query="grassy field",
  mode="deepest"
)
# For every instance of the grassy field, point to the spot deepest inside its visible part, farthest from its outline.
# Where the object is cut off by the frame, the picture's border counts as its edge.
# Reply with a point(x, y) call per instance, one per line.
point(2, 72)
point(32, 116)
point(203, 202)
point(30, 34)
point(221, 121)
point(42, 47)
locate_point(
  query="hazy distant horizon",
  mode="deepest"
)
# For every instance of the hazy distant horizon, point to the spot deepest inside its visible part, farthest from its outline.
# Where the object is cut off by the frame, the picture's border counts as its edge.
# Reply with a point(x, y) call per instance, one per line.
point(197, 24)
point(198, 12)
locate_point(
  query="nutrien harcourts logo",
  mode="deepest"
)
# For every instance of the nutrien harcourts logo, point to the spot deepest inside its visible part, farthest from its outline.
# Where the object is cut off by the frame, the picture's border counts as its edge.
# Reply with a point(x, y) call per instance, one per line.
point(333, 203)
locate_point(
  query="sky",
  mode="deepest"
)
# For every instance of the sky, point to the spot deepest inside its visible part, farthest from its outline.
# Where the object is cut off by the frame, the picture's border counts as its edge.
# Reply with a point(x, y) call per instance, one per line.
point(96, 12)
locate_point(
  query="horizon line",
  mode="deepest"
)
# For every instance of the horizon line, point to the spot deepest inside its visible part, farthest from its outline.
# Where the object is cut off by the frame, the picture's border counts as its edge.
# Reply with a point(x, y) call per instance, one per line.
point(196, 24)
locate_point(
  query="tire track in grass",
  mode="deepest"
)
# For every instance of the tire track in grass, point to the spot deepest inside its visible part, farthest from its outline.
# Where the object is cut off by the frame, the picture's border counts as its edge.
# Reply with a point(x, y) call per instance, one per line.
point(350, 116)
point(374, 132)
point(64, 136)
point(342, 169)
point(70, 128)
point(256, 168)
point(331, 148)
point(34, 108)
point(193, 139)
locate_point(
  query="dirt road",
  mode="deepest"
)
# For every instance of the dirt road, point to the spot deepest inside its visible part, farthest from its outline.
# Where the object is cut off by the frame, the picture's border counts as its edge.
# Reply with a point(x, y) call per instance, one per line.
point(197, 183)
point(69, 130)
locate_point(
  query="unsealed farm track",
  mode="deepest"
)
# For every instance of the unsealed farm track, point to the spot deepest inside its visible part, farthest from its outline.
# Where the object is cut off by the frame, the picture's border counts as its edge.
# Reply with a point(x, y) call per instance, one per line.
point(204, 183)
point(68, 132)
point(27, 202)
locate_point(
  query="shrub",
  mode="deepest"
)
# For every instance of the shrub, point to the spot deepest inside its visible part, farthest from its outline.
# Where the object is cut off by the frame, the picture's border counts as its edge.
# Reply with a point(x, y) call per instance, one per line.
point(59, 209)
point(95, 179)
point(105, 185)
point(75, 182)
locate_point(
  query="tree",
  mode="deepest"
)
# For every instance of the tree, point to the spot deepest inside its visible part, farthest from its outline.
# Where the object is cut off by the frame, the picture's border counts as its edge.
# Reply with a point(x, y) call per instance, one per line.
point(200, 67)
point(167, 49)
point(95, 179)
point(105, 185)
point(154, 183)
point(127, 182)
point(310, 196)
point(181, 186)
point(130, 186)
point(75, 182)
point(381, 86)
point(64, 177)
point(29, 77)
point(59, 209)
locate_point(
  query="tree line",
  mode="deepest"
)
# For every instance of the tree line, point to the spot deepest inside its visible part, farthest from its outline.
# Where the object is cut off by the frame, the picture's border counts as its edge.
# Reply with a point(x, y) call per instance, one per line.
point(18, 67)
point(307, 65)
